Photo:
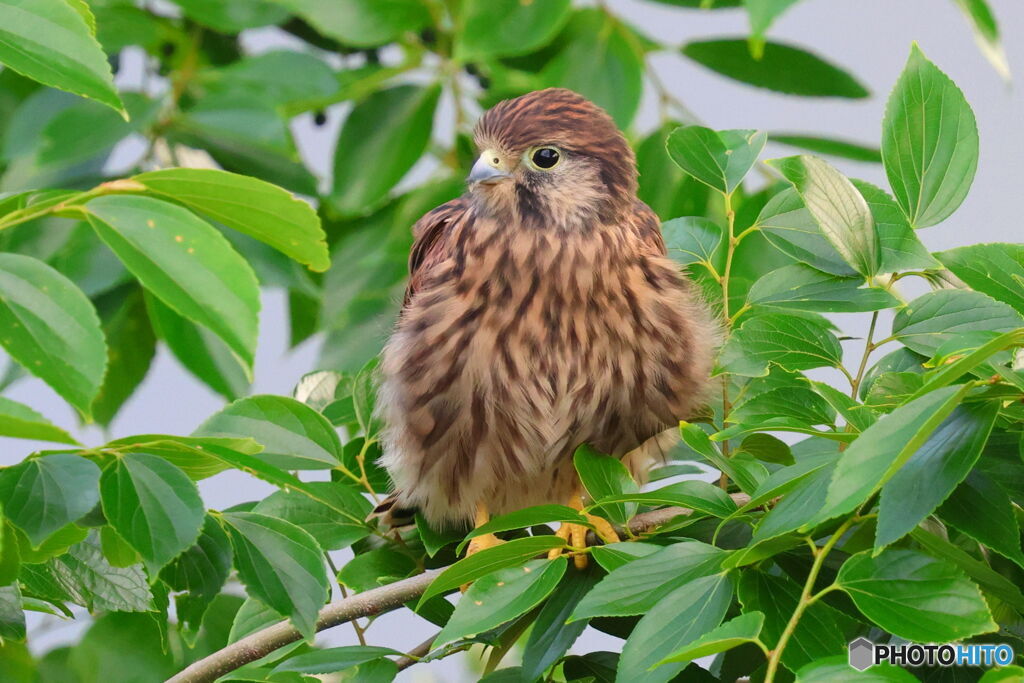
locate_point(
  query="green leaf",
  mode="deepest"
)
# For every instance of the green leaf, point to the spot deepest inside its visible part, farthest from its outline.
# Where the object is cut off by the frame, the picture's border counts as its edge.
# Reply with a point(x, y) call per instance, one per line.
point(603, 476)
point(602, 59)
point(245, 134)
point(12, 617)
point(293, 435)
point(203, 568)
point(187, 453)
point(805, 495)
point(719, 159)
point(767, 448)
point(803, 288)
point(818, 633)
point(153, 505)
point(837, 670)
point(933, 472)
point(838, 209)
point(359, 23)
point(62, 143)
point(696, 494)
point(550, 636)
point(527, 517)
point(932, 319)
point(184, 262)
point(44, 494)
point(51, 329)
point(762, 14)
point(993, 269)
point(694, 240)
point(797, 403)
point(695, 437)
point(733, 633)
point(48, 41)
point(982, 510)
point(881, 450)
point(703, 4)
point(1009, 674)
point(331, 530)
point(232, 17)
point(684, 615)
point(131, 346)
point(614, 555)
point(929, 142)
point(21, 422)
point(435, 539)
point(89, 580)
point(508, 554)
point(789, 341)
point(782, 68)
point(388, 133)
point(781, 481)
point(790, 228)
point(293, 81)
point(637, 587)
point(376, 568)
point(990, 580)
point(280, 565)
point(333, 659)
point(986, 34)
point(915, 596)
point(249, 205)
point(506, 28)
point(901, 248)
point(502, 596)
point(199, 350)
point(829, 146)
point(663, 185)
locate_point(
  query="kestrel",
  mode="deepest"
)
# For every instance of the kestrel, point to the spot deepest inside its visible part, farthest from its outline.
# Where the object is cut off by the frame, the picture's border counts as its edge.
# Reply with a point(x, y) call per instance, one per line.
point(541, 314)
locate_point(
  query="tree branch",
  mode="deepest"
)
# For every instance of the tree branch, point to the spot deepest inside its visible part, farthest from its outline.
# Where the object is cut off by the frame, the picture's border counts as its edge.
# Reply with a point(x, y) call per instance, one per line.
point(262, 643)
point(368, 603)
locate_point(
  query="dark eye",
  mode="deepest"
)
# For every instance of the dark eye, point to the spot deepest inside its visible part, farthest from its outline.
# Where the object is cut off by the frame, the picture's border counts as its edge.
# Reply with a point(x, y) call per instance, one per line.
point(545, 157)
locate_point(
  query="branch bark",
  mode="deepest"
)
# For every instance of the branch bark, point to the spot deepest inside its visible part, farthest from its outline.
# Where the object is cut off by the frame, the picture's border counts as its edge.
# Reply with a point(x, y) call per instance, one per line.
point(368, 603)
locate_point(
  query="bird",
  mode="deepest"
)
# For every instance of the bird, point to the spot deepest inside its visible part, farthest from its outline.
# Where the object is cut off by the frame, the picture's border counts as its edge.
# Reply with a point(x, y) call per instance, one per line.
point(541, 314)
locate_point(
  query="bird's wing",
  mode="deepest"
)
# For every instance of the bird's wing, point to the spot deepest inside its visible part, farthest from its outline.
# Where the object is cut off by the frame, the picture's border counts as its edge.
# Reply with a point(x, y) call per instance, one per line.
point(648, 227)
point(430, 237)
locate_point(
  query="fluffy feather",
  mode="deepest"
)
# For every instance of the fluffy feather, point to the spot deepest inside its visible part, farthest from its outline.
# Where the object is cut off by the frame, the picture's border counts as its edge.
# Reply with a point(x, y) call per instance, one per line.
point(541, 313)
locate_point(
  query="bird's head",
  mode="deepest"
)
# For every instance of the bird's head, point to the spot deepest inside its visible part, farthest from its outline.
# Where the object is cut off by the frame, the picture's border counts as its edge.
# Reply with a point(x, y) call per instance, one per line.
point(552, 158)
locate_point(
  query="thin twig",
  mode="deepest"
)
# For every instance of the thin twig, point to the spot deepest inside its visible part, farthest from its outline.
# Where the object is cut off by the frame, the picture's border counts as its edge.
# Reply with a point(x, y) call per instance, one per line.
point(262, 643)
point(416, 653)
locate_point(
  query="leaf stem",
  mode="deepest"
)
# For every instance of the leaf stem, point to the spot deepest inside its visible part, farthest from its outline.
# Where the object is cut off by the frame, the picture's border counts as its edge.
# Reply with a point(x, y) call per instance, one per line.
point(730, 217)
point(868, 348)
point(807, 598)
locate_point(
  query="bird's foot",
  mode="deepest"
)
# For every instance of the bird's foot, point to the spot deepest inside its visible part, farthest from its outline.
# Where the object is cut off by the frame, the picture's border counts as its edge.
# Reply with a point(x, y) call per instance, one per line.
point(483, 543)
point(476, 545)
point(575, 536)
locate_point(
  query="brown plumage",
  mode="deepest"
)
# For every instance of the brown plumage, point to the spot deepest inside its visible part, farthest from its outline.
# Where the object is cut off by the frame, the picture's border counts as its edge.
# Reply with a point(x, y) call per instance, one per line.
point(541, 314)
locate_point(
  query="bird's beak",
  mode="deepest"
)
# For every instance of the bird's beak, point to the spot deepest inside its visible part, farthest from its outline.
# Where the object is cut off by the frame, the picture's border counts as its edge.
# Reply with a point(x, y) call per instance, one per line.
point(488, 169)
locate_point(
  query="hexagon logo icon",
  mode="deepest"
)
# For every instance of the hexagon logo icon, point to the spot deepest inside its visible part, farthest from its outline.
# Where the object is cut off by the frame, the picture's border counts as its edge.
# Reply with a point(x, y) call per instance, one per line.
point(862, 654)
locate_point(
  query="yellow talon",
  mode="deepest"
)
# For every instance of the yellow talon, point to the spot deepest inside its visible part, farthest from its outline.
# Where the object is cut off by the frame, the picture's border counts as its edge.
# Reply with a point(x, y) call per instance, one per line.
point(575, 535)
point(484, 541)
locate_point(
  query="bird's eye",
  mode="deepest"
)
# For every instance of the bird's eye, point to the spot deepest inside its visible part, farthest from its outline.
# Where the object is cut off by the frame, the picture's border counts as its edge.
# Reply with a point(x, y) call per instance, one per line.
point(545, 157)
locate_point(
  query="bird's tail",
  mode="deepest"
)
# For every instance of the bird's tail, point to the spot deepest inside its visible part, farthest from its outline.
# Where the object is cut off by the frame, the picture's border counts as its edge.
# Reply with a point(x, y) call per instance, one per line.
point(393, 515)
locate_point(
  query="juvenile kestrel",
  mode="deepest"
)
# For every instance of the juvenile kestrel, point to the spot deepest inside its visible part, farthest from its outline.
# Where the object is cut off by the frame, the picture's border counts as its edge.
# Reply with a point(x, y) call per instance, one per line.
point(541, 314)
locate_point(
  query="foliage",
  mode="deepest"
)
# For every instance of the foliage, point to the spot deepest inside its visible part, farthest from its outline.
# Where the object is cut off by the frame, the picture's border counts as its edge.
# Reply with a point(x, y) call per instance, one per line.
point(891, 509)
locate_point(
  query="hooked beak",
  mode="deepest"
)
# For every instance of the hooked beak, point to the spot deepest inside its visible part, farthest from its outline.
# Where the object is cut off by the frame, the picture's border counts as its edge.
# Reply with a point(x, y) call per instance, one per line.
point(487, 169)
